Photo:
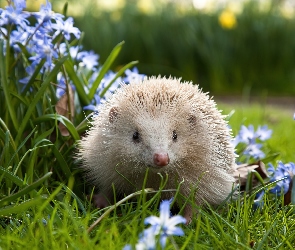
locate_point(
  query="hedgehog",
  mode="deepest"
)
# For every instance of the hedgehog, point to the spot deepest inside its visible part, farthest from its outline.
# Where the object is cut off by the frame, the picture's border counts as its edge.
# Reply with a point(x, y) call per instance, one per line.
point(168, 127)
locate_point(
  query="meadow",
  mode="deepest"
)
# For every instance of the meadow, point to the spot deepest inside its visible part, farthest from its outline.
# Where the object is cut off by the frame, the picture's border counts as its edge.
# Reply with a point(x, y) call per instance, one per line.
point(50, 87)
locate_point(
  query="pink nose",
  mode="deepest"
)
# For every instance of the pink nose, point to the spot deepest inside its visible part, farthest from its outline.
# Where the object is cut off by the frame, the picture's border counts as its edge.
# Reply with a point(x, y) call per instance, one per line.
point(161, 159)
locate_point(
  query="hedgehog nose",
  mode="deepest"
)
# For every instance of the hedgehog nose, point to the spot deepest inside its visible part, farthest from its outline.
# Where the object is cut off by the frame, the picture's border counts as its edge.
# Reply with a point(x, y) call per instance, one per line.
point(161, 159)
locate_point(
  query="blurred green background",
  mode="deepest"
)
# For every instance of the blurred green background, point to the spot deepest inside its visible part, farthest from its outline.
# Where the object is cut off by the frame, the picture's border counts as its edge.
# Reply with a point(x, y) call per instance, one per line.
point(227, 47)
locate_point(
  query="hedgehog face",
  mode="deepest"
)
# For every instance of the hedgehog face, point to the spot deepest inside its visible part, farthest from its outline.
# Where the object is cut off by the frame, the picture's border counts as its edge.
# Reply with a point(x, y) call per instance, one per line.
point(153, 139)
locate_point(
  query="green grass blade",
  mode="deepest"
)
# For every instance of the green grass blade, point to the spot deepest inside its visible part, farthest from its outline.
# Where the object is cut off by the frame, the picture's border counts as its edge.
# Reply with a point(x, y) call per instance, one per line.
point(24, 206)
point(106, 66)
point(120, 72)
point(25, 190)
point(65, 121)
point(15, 179)
point(34, 75)
point(37, 97)
point(78, 84)
point(20, 146)
point(4, 84)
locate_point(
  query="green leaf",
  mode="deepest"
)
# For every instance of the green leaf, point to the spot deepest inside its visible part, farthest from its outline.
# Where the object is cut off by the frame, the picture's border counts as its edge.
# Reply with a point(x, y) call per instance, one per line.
point(120, 72)
point(270, 158)
point(15, 179)
point(34, 76)
point(106, 66)
point(4, 84)
point(25, 190)
point(24, 206)
point(37, 97)
point(65, 121)
point(78, 84)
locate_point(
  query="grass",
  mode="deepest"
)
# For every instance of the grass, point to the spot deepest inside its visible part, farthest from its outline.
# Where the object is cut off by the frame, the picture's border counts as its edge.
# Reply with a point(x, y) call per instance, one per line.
point(234, 226)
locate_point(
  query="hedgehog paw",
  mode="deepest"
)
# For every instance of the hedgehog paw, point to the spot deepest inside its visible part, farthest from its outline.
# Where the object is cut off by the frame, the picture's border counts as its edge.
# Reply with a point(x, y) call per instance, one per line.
point(100, 200)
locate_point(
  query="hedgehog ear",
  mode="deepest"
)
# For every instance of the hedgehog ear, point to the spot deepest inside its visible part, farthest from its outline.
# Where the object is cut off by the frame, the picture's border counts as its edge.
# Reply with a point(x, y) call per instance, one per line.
point(192, 119)
point(113, 114)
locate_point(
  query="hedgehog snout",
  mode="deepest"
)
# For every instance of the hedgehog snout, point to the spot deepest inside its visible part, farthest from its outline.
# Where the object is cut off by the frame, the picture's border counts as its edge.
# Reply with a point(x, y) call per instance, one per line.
point(161, 159)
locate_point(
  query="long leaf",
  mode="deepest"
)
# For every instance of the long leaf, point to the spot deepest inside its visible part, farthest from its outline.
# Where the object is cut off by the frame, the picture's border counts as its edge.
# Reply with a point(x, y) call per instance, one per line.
point(9, 175)
point(4, 84)
point(120, 72)
point(106, 66)
point(25, 190)
point(78, 84)
point(65, 121)
point(34, 75)
point(13, 209)
point(38, 96)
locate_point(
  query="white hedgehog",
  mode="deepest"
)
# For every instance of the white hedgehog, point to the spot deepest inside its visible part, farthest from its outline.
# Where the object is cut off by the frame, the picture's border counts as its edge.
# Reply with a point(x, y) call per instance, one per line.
point(167, 126)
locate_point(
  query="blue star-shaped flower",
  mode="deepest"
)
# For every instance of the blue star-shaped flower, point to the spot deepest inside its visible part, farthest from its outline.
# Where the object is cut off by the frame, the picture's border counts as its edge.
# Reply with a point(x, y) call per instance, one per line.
point(165, 225)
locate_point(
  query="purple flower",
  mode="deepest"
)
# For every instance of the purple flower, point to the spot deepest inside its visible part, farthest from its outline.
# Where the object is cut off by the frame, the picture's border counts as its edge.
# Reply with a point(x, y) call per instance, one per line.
point(66, 28)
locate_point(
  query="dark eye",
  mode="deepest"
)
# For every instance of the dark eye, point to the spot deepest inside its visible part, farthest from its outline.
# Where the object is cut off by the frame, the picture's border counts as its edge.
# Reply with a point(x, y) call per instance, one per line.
point(136, 137)
point(174, 136)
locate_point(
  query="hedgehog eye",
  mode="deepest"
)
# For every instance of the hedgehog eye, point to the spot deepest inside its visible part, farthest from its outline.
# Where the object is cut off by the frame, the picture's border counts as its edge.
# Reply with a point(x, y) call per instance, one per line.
point(136, 137)
point(174, 135)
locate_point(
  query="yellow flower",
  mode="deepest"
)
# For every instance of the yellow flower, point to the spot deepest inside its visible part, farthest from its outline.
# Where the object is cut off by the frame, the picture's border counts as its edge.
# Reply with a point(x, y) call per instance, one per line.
point(227, 19)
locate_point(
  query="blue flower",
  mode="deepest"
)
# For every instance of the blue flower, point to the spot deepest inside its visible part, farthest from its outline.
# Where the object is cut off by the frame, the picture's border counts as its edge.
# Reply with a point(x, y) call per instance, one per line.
point(283, 174)
point(30, 70)
point(258, 202)
point(44, 49)
point(45, 15)
point(147, 241)
point(263, 133)
point(246, 135)
point(74, 50)
point(89, 59)
point(133, 76)
point(19, 4)
point(66, 28)
point(249, 136)
point(254, 151)
point(165, 225)
point(15, 16)
point(61, 86)
point(94, 104)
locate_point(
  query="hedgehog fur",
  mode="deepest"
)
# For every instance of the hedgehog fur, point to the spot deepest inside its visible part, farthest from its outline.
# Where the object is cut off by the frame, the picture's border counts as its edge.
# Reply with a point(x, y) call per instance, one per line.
point(167, 126)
